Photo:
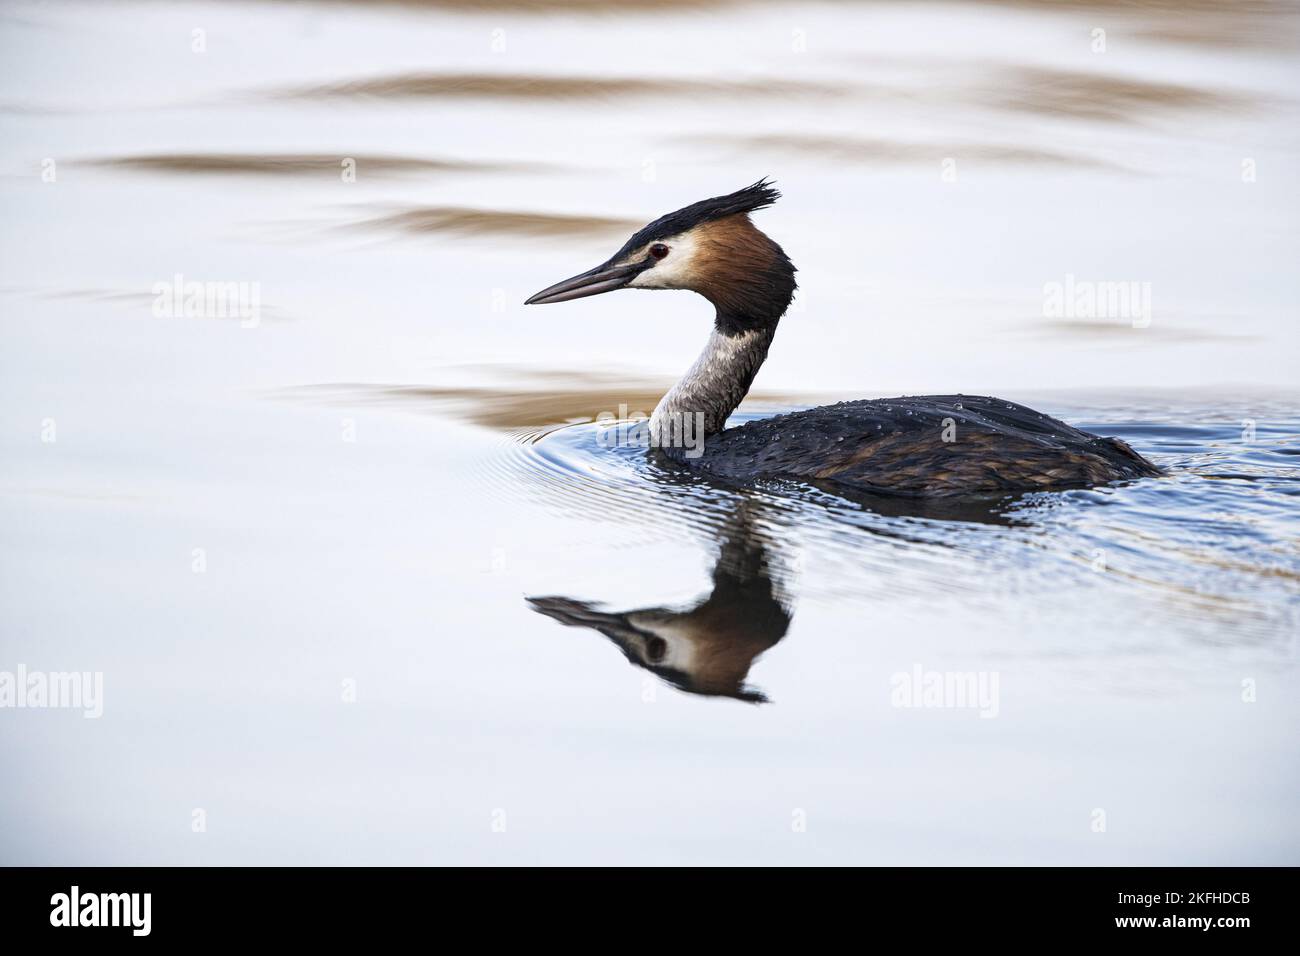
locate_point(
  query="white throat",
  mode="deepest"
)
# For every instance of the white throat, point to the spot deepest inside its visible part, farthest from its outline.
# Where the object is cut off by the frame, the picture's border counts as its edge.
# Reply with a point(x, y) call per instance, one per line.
point(712, 388)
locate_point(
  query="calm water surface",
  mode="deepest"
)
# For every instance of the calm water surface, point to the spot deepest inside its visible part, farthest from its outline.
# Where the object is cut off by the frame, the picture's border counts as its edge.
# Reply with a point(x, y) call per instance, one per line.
point(440, 619)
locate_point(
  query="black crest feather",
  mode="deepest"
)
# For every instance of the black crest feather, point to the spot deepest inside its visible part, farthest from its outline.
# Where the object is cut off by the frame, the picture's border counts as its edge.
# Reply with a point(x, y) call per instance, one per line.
point(758, 196)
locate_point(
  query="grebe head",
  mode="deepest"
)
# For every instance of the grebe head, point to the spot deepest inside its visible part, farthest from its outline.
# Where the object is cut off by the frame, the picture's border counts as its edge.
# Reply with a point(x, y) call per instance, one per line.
point(710, 247)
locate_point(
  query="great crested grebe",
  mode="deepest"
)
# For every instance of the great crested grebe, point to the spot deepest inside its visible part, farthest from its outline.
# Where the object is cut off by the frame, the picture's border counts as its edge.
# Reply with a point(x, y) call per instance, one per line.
point(920, 446)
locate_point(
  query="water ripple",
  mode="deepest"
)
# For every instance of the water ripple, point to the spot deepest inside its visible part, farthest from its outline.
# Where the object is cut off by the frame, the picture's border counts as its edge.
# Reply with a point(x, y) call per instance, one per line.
point(1214, 545)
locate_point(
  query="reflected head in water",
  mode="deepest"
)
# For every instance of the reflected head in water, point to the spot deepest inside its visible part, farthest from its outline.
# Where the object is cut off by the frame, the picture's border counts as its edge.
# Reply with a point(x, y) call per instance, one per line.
point(708, 647)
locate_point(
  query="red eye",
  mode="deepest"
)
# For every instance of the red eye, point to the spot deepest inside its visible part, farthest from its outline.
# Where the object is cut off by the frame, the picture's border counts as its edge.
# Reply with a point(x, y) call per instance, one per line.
point(658, 250)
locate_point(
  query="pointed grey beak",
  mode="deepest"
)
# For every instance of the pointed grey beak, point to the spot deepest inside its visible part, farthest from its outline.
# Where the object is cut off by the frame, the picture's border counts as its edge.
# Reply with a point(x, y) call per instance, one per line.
point(603, 278)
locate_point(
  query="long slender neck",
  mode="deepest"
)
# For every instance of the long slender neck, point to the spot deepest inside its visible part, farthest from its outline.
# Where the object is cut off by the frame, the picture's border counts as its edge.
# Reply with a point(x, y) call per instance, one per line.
point(750, 281)
point(715, 385)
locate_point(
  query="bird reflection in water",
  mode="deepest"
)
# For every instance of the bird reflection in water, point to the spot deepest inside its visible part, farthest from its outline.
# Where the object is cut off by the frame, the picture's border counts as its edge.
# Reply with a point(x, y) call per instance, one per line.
point(708, 647)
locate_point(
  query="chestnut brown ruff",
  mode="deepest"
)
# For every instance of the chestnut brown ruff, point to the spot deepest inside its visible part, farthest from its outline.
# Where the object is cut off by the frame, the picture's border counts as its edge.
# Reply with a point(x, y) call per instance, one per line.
point(920, 446)
point(748, 277)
